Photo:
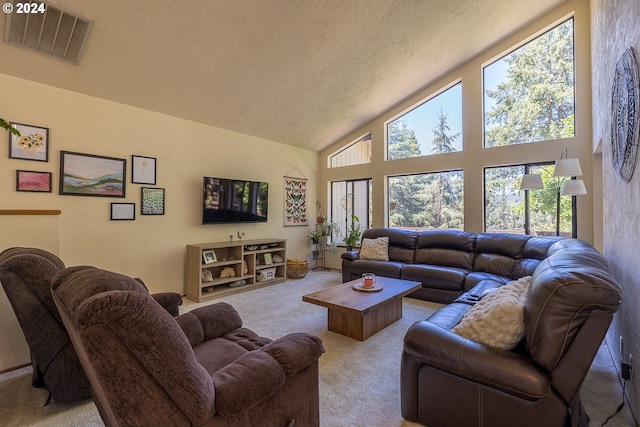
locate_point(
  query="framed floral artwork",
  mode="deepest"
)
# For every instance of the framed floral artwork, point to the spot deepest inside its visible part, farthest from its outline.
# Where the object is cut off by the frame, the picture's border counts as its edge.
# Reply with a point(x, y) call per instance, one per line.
point(152, 201)
point(33, 181)
point(32, 144)
point(143, 170)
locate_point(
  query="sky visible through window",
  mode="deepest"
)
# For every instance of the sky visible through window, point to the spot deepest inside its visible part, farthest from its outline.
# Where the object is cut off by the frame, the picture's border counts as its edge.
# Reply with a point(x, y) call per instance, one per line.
point(424, 118)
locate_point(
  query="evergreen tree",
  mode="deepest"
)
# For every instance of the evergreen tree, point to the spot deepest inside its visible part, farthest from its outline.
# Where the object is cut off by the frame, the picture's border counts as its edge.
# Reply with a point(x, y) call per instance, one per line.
point(536, 102)
point(401, 141)
point(443, 143)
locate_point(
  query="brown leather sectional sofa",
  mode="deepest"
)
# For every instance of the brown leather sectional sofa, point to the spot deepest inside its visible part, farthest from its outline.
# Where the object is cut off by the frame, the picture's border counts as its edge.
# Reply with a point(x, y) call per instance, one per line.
point(450, 263)
point(448, 380)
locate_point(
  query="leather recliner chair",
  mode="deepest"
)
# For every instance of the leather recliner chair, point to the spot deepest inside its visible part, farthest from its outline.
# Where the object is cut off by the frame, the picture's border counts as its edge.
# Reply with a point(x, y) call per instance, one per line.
point(449, 381)
point(201, 368)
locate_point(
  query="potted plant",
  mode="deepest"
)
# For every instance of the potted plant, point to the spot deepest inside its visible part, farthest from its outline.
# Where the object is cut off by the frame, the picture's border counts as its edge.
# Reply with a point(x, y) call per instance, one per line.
point(314, 239)
point(329, 227)
point(353, 236)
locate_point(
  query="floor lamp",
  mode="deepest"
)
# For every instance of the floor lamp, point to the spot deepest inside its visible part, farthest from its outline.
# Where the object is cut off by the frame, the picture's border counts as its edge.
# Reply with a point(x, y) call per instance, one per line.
point(564, 173)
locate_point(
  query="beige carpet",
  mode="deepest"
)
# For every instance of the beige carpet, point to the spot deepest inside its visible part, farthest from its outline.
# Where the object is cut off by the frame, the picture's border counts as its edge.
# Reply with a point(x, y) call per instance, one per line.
point(359, 381)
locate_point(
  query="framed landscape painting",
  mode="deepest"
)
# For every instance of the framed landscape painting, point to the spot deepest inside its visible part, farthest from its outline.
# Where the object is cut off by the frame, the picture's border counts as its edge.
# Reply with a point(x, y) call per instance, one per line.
point(91, 175)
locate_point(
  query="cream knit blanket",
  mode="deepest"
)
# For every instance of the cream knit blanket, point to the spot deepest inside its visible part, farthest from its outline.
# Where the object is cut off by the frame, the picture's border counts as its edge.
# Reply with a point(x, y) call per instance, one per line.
point(497, 320)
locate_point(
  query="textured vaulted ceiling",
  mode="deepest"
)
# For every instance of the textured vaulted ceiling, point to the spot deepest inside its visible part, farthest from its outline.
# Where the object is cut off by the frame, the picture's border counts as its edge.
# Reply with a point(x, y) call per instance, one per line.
point(301, 72)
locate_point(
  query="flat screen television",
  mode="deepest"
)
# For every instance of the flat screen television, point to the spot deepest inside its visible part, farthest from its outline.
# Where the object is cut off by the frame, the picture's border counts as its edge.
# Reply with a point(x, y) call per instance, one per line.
point(234, 200)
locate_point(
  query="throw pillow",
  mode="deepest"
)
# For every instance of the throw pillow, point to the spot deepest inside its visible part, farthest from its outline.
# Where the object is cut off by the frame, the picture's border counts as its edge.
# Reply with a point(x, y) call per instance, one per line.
point(497, 320)
point(375, 249)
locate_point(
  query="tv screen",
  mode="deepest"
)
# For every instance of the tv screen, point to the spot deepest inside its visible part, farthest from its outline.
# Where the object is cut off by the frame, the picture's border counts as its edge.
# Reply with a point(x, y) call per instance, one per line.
point(233, 200)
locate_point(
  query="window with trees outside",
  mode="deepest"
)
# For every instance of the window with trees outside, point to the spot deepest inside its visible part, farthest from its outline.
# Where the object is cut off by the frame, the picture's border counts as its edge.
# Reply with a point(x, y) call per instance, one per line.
point(349, 198)
point(426, 201)
point(529, 94)
point(434, 127)
point(356, 153)
point(511, 210)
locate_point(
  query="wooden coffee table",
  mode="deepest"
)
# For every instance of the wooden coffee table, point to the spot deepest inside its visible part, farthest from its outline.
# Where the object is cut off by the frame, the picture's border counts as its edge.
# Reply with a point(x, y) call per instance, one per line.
point(359, 314)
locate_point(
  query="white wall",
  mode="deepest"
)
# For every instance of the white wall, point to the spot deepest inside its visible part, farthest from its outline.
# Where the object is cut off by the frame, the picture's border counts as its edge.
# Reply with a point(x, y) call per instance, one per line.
point(151, 247)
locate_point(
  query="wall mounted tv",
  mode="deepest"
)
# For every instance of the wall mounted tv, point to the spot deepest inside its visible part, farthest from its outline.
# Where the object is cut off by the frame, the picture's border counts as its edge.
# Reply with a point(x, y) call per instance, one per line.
point(233, 200)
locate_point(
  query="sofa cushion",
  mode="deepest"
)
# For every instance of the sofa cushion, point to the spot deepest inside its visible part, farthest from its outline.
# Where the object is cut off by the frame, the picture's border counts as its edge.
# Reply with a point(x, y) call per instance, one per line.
point(402, 243)
point(498, 253)
point(381, 268)
point(498, 319)
point(534, 251)
point(435, 276)
point(375, 249)
point(448, 248)
point(475, 277)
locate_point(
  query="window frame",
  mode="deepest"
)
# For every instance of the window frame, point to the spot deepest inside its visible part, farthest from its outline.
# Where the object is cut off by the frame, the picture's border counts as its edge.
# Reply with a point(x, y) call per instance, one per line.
point(419, 104)
point(527, 217)
point(515, 48)
point(435, 172)
point(346, 222)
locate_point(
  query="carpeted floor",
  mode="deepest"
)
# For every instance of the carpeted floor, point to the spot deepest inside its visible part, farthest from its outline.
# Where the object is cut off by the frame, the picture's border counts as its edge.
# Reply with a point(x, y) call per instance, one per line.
point(359, 381)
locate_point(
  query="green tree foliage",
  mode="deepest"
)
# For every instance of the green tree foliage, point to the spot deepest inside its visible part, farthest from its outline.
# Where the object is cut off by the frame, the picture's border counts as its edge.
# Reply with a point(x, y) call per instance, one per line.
point(504, 210)
point(425, 200)
point(402, 142)
point(536, 101)
point(442, 141)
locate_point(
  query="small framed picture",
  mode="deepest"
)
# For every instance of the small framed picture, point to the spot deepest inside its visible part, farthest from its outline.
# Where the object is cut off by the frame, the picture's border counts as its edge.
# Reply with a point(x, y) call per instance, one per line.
point(152, 201)
point(32, 144)
point(37, 182)
point(268, 259)
point(143, 170)
point(123, 211)
point(209, 256)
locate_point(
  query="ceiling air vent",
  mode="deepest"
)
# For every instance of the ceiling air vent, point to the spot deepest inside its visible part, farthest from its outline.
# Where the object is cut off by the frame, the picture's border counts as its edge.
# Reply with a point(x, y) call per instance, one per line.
point(52, 30)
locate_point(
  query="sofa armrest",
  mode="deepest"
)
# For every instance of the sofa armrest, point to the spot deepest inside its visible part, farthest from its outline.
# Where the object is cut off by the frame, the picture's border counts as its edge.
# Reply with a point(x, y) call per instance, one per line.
point(208, 322)
point(438, 347)
point(294, 352)
point(170, 301)
point(350, 255)
point(258, 374)
point(246, 382)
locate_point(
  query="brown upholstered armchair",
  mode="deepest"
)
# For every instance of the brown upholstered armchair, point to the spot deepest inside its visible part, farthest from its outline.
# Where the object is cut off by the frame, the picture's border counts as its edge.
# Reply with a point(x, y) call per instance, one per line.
point(201, 368)
point(449, 381)
point(26, 275)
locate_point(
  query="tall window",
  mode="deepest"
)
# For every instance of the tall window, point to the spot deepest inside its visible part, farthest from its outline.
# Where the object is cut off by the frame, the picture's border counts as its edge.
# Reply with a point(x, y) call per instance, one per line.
point(350, 198)
point(529, 93)
point(426, 201)
point(434, 127)
point(511, 210)
point(356, 153)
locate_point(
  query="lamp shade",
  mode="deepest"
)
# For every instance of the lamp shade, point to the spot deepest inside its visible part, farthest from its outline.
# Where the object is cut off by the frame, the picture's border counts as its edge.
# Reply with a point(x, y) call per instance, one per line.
point(531, 181)
point(573, 187)
point(567, 167)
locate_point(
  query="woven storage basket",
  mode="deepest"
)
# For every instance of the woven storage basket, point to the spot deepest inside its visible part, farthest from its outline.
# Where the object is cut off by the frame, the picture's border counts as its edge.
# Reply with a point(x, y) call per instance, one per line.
point(297, 268)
